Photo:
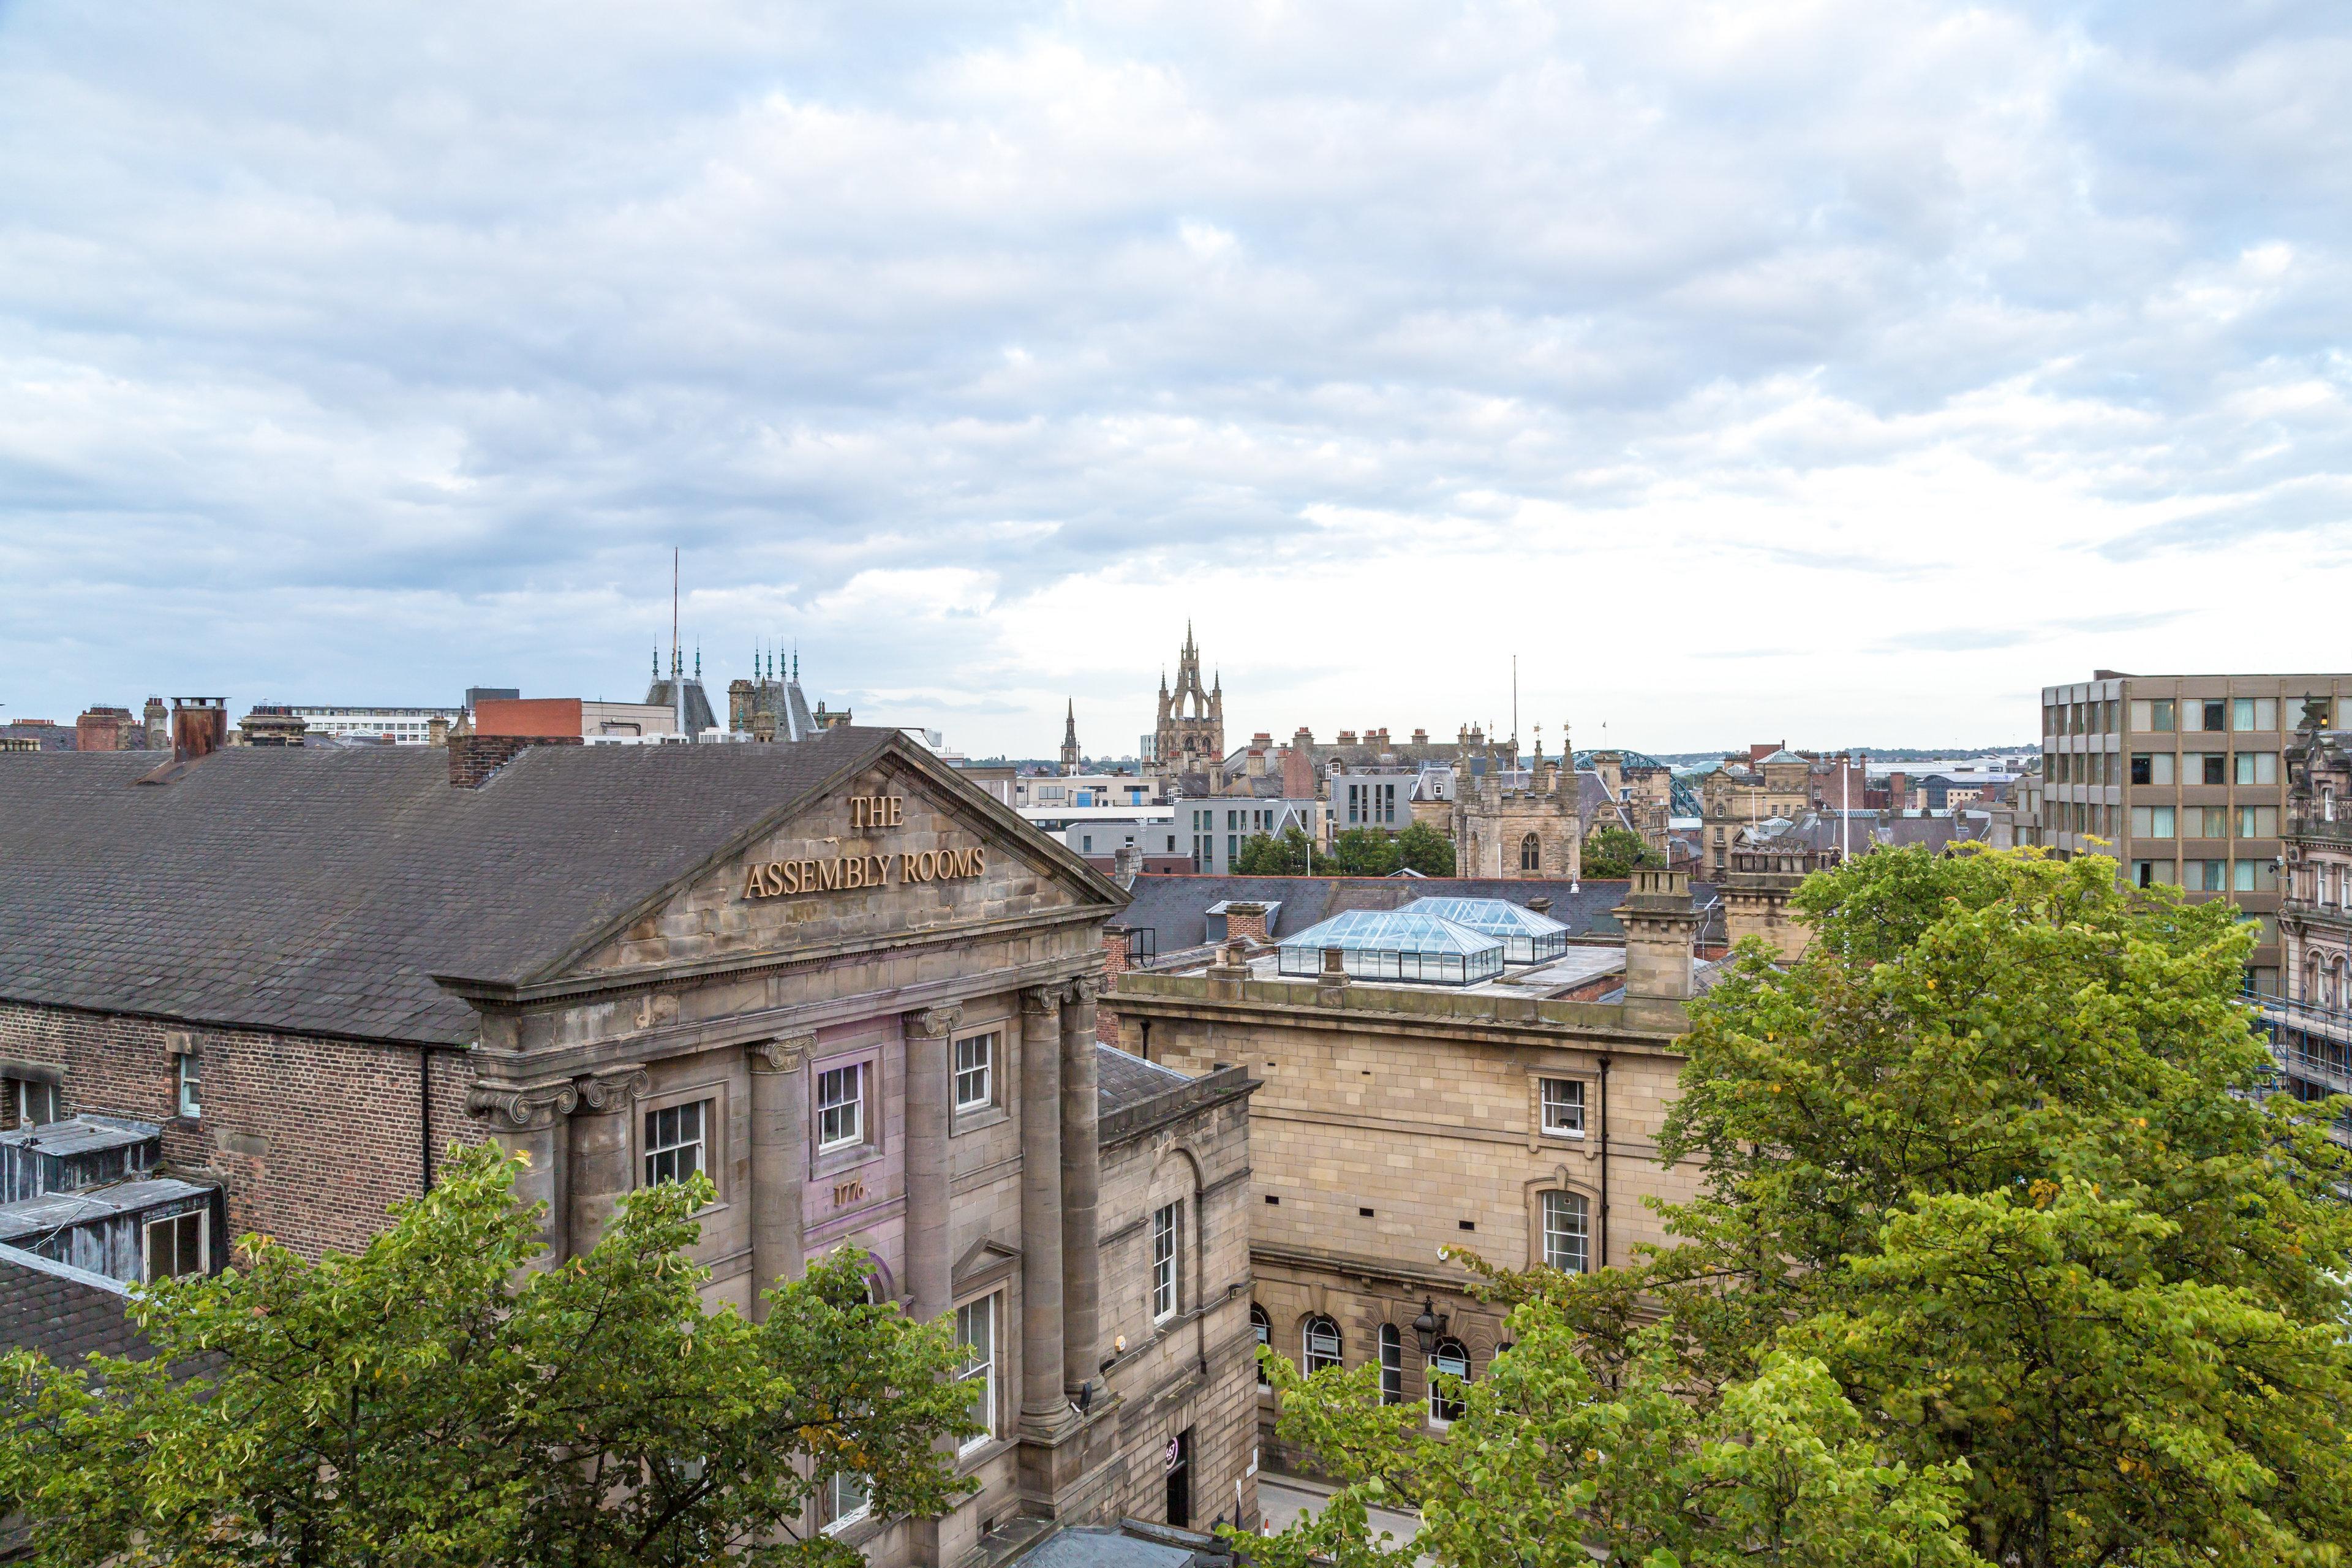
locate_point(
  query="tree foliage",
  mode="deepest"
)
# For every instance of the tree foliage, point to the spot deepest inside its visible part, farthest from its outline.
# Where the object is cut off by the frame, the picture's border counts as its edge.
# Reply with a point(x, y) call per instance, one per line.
point(1995, 1161)
point(1612, 853)
point(428, 1402)
point(1357, 852)
point(1546, 1467)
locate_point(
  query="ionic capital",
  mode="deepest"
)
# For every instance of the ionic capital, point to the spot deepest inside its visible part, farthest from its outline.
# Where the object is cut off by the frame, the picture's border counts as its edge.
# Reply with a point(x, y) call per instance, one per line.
point(934, 1021)
point(784, 1053)
point(613, 1089)
point(1041, 1001)
point(523, 1105)
point(1080, 991)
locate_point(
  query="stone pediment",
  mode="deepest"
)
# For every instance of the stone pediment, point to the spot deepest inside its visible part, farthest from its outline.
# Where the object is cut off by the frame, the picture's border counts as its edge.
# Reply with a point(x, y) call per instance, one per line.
point(894, 849)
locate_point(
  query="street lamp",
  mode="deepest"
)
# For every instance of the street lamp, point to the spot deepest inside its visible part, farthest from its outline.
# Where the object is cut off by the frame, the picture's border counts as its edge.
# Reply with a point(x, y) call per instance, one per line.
point(1428, 1326)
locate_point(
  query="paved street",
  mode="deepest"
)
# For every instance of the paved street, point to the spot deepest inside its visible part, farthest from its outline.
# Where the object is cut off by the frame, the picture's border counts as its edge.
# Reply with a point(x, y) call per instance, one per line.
point(1283, 1498)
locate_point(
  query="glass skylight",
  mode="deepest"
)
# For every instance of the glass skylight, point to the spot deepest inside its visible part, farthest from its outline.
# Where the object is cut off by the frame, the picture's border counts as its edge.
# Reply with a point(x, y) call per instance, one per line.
point(1527, 936)
point(1395, 944)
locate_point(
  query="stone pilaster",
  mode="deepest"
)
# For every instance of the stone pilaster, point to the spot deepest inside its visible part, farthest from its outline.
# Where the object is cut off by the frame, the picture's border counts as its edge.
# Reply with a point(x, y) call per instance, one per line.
point(530, 1119)
point(599, 1169)
point(1081, 1188)
point(1045, 1405)
point(929, 1266)
point(778, 1162)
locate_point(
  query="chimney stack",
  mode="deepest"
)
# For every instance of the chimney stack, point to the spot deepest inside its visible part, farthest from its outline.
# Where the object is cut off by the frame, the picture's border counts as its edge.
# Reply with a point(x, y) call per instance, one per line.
point(199, 727)
point(1660, 928)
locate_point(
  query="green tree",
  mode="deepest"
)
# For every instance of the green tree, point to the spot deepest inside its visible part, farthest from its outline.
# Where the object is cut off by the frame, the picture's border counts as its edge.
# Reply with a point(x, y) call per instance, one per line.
point(1262, 855)
point(1361, 852)
point(1613, 852)
point(1996, 1203)
point(1996, 1150)
point(1422, 848)
point(429, 1402)
point(1543, 1467)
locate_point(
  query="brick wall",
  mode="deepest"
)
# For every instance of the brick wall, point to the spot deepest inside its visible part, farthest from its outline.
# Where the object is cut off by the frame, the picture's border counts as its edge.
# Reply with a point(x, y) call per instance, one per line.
point(473, 758)
point(1115, 963)
point(313, 1138)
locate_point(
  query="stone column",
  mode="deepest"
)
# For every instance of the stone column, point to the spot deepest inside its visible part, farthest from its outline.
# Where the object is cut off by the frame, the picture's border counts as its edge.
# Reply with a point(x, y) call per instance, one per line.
point(529, 1119)
point(929, 1287)
point(1045, 1405)
point(778, 1162)
point(599, 1172)
point(1081, 1187)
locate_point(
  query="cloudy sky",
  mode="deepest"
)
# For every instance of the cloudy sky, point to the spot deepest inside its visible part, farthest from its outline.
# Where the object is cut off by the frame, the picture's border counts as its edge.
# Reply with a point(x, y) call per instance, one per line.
point(1834, 371)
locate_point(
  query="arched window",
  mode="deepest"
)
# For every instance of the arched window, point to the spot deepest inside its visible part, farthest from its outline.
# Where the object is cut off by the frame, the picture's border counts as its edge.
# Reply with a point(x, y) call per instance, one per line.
point(1567, 1232)
point(1530, 853)
point(1450, 1356)
point(1264, 1326)
point(1391, 1365)
point(1322, 1343)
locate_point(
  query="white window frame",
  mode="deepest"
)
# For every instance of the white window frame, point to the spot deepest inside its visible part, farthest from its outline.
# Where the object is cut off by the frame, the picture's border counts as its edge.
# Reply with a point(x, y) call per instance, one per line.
point(1581, 1234)
point(1167, 1251)
point(841, 1520)
point(1312, 1360)
point(203, 1242)
point(1572, 1098)
point(982, 1067)
point(704, 1111)
point(982, 1317)
point(188, 1085)
point(1438, 1397)
point(856, 1074)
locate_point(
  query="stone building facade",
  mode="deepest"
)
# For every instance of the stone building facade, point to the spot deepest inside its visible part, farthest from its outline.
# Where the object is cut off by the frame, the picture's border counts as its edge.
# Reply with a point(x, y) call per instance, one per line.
point(1514, 823)
point(1395, 1120)
point(2314, 918)
point(854, 991)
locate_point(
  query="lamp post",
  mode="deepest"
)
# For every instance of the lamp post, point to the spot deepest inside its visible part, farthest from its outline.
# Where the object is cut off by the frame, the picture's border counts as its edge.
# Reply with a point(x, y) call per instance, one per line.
point(1427, 1327)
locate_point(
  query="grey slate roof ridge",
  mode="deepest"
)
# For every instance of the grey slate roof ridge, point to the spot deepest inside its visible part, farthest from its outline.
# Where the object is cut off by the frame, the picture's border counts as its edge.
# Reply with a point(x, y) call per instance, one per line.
point(319, 892)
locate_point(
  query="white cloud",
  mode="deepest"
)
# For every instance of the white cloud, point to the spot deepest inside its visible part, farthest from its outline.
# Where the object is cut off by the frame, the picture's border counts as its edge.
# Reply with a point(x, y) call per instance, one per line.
point(1811, 369)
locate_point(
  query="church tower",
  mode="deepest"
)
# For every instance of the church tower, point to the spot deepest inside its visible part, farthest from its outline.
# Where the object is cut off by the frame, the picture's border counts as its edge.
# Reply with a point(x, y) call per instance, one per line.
point(1070, 740)
point(1189, 741)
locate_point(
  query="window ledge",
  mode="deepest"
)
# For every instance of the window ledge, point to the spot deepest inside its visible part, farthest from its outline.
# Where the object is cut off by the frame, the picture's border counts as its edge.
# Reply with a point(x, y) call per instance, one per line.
point(978, 1117)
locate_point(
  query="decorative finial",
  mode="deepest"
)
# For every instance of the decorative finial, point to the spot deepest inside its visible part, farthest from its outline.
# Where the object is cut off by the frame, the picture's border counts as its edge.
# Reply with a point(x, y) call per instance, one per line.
point(698, 661)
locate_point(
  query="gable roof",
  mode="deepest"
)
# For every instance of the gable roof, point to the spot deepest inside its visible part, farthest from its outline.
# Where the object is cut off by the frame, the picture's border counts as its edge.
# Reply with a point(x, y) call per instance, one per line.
point(320, 891)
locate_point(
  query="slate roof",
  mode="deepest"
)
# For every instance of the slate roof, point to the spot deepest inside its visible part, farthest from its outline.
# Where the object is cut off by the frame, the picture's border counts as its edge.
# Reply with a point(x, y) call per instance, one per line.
point(1176, 908)
point(65, 1313)
point(1122, 1080)
point(320, 891)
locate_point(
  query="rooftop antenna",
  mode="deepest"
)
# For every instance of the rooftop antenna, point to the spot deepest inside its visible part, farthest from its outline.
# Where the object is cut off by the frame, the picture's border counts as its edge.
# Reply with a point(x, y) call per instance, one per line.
point(1515, 705)
point(676, 668)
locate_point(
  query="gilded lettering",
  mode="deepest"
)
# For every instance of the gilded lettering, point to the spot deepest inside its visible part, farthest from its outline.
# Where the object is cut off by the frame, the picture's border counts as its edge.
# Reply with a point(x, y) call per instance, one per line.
point(881, 872)
point(856, 813)
point(905, 866)
point(791, 877)
point(752, 885)
point(979, 858)
point(828, 876)
point(926, 865)
point(898, 806)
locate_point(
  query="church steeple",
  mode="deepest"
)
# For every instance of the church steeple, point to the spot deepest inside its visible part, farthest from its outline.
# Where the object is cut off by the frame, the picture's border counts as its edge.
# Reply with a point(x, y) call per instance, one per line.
point(1070, 739)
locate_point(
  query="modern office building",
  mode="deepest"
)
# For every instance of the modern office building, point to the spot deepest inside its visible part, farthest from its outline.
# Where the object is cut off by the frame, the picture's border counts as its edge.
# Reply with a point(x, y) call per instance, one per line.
point(401, 726)
point(2181, 779)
